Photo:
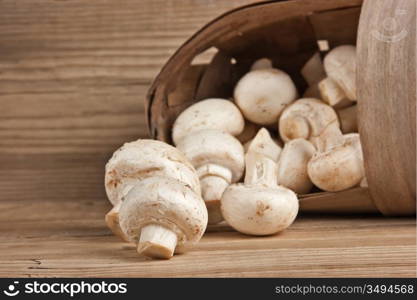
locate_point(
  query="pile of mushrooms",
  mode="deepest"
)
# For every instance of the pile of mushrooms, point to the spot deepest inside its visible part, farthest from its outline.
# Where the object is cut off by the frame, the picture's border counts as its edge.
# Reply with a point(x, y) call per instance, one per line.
point(241, 161)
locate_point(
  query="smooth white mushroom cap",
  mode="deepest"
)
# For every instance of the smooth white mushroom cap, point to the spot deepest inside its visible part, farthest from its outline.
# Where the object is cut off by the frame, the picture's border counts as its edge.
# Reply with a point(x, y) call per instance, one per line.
point(340, 65)
point(339, 168)
point(306, 118)
point(216, 148)
point(219, 160)
point(165, 202)
point(261, 95)
point(145, 158)
point(212, 113)
point(259, 210)
point(292, 166)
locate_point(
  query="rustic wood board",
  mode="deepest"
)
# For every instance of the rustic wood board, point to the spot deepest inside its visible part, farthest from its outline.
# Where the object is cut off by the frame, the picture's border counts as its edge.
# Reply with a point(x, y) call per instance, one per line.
point(73, 77)
point(62, 238)
point(73, 80)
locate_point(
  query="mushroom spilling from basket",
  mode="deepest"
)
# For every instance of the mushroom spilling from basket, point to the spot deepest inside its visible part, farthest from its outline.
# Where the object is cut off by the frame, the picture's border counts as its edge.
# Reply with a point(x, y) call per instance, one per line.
point(243, 160)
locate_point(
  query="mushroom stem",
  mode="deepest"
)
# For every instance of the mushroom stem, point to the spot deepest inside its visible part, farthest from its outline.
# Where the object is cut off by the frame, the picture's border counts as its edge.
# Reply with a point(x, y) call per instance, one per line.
point(157, 241)
point(329, 138)
point(112, 221)
point(212, 188)
point(214, 179)
point(260, 170)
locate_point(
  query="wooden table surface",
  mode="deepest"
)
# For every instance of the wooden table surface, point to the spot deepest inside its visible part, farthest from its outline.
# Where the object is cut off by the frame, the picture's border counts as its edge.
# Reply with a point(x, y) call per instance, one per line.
point(73, 76)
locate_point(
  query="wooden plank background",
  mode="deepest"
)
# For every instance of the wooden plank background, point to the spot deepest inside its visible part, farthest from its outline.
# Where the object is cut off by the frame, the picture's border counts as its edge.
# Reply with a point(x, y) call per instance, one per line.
point(73, 77)
point(51, 238)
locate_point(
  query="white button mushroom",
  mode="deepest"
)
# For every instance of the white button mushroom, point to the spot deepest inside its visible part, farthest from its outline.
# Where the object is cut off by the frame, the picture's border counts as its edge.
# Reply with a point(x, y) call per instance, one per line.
point(138, 160)
point(339, 164)
point(219, 160)
point(332, 93)
point(213, 113)
point(306, 118)
point(259, 206)
point(292, 166)
point(262, 63)
point(262, 95)
point(162, 215)
point(340, 65)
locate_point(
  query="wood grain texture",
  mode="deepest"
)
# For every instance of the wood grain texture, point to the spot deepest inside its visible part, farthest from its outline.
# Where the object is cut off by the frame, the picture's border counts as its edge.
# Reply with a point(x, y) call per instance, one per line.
point(354, 200)
point(52, 238)
point(73, 78)
point(386, 72)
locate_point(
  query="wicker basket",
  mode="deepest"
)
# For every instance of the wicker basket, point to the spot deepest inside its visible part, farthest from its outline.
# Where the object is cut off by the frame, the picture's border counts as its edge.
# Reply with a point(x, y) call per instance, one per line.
point(287, 32)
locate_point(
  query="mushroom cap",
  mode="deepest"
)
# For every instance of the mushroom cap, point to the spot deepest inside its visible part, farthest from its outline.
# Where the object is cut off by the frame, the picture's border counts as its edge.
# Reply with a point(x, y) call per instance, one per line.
point(262, 63)
point(166, 202)
point(292, 165)
point(340, 65)
point(145, 158)
point(212, 146)
point(306, 118)
point(263, 94)
point(339, 168)
point(259, 210)
point(213, 113)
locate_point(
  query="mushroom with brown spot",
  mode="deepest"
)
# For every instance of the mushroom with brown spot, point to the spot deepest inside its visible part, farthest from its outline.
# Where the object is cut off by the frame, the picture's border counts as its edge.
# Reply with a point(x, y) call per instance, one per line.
point(138, 160)
point(259, 206)
point(338, 164)
point(306, 118)
point(162, 215)
point(219, 160)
